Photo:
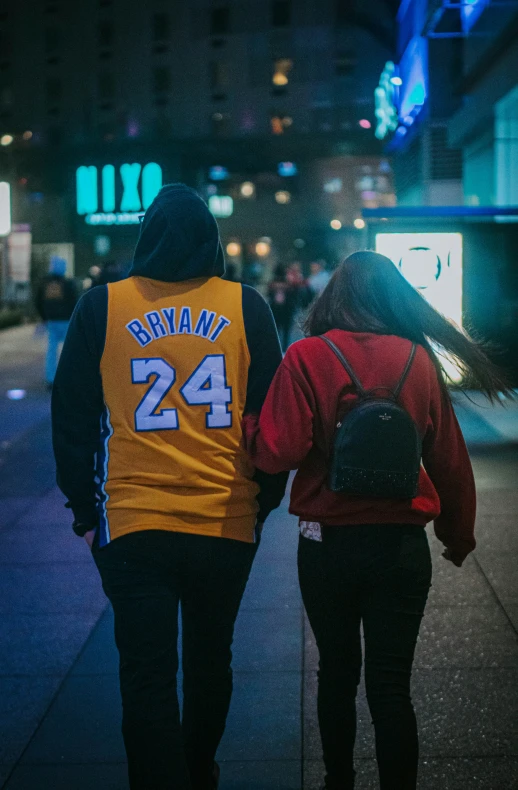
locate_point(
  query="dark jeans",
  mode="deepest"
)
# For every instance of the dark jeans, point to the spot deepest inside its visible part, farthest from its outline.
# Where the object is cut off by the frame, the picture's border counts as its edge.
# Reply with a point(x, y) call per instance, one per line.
point(379, 576)
point(146, 575)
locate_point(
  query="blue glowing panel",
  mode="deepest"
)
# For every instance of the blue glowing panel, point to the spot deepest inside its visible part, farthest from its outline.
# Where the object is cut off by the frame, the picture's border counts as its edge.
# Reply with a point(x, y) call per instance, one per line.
point(108, 177)
point(218, 173)
point(130, 175)
point(151, 183)
point(86, 190)
point(287, 169)
point(413, 70)
point(470, 12)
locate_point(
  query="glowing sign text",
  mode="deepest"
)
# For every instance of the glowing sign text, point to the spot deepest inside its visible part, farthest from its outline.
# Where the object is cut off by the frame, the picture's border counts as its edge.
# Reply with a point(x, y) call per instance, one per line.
point(131, 177)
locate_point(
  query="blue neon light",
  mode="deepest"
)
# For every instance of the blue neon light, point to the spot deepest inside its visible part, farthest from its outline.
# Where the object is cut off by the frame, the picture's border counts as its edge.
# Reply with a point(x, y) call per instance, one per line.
point(471, 11)
point(151, 183)
point(287, 169)
point(86, 190)
point(131, 187)
point(130, 197)
point(414, 73)
point(440, 211)
point(218, 173)
point(108, 188)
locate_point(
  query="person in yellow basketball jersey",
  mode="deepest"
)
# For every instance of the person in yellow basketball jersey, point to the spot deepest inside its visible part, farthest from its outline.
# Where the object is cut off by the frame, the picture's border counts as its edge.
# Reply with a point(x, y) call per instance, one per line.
point(156, 374)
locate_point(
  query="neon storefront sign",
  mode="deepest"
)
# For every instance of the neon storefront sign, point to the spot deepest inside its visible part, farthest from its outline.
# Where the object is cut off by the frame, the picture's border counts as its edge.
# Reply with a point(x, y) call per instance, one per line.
point(116, 196)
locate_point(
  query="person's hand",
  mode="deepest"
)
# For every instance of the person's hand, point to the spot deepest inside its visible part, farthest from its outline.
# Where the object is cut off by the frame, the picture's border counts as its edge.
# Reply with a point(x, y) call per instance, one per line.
point(89, 537)
point(447, 554)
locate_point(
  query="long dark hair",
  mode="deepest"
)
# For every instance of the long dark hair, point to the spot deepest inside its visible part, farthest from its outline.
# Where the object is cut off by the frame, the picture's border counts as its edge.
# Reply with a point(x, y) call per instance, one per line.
point(368, 294)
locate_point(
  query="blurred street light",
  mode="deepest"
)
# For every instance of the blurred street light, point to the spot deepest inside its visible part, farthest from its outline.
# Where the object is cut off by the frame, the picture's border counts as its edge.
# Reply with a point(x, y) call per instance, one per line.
point(335, 224)
point(396, 80)
point(6, 139)
point(27, 135)
point(364, 123)
point(233, 249)
point(282, 197)
point(262, 248)
point(359, 223)
point(247, 189)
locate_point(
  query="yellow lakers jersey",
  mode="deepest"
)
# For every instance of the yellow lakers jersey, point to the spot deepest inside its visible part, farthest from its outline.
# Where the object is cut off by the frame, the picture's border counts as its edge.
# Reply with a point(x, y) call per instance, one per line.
point(174, 375)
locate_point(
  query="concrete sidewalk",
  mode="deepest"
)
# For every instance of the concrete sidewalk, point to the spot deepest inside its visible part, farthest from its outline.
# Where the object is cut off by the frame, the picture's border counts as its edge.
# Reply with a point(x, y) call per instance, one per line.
point(59, 699)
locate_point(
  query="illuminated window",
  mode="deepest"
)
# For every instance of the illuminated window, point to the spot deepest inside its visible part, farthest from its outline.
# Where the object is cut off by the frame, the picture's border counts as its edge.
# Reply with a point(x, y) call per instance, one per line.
point(281, 13)
point(161, 27)
point(105, 34)
point(279, 124)
point(220, 21)
point(281, 71)
point(161, 80)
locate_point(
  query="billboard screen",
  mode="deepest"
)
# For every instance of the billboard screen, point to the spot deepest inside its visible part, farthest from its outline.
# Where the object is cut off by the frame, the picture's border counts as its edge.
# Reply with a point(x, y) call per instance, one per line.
point(432, 263)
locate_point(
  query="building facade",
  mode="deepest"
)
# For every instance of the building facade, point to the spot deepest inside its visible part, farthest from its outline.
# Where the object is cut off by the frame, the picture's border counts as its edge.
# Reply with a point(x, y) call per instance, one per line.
point(271, 94)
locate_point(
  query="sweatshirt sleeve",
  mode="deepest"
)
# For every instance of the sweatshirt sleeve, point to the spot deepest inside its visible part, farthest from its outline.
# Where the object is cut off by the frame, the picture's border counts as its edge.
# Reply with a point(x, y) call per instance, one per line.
point(265, 357)
point(447, 462)
point(77, 405)
point(283, 435)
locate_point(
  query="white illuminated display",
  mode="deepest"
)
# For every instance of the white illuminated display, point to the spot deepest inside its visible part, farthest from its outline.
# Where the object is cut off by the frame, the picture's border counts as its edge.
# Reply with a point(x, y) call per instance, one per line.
point(221, 205)
point(432, 263)
point(5, 208)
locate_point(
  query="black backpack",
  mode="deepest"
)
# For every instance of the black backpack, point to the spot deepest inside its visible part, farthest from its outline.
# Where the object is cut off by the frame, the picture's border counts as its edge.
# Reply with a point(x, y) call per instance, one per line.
point(377, 447)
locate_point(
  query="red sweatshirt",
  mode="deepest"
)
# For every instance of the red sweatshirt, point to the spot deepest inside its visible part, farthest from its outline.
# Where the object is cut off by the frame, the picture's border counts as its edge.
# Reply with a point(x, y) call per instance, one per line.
point(311, 392)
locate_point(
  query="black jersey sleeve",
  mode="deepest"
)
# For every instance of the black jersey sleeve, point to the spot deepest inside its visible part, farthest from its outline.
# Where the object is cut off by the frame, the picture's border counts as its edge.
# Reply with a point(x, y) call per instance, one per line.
point(265, 358)
point(77, 405)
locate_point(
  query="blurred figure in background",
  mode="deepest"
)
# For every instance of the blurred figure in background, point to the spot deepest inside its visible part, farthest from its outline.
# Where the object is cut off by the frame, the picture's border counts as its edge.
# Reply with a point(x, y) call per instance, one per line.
point(283, 303)
point(231, 273)
point(318, 278)
point(111, 272)
point(55, 301)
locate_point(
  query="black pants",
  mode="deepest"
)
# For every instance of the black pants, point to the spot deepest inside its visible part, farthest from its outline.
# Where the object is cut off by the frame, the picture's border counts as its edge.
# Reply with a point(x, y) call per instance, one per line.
point(378, 575)
point(146, 575)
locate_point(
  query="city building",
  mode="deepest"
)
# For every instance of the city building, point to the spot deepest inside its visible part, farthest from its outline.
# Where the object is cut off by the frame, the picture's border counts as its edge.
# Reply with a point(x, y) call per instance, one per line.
point(264, 106)
point(447, 112)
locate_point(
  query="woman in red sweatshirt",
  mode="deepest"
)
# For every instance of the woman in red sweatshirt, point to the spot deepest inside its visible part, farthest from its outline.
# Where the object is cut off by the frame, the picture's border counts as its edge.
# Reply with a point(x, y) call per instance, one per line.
point(367, 561)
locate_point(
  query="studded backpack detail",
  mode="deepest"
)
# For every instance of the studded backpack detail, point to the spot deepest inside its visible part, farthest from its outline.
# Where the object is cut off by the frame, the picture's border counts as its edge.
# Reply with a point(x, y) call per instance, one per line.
point(377, 447)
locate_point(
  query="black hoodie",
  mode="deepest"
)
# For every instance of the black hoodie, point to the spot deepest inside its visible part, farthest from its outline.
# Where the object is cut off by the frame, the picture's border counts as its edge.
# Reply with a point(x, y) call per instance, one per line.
point(179, 240)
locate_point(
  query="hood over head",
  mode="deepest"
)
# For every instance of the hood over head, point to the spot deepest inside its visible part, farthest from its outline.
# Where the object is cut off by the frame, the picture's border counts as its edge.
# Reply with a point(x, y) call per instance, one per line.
point(57, 265)
point(179, 238)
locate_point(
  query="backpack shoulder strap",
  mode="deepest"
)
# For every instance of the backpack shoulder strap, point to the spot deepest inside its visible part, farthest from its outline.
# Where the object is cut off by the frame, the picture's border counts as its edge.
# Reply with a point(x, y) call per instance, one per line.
point(397, 391)
point(336, 351)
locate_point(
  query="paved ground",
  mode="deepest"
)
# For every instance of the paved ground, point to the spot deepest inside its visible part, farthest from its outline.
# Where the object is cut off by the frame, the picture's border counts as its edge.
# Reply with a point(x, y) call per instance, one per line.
point(59, 701)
